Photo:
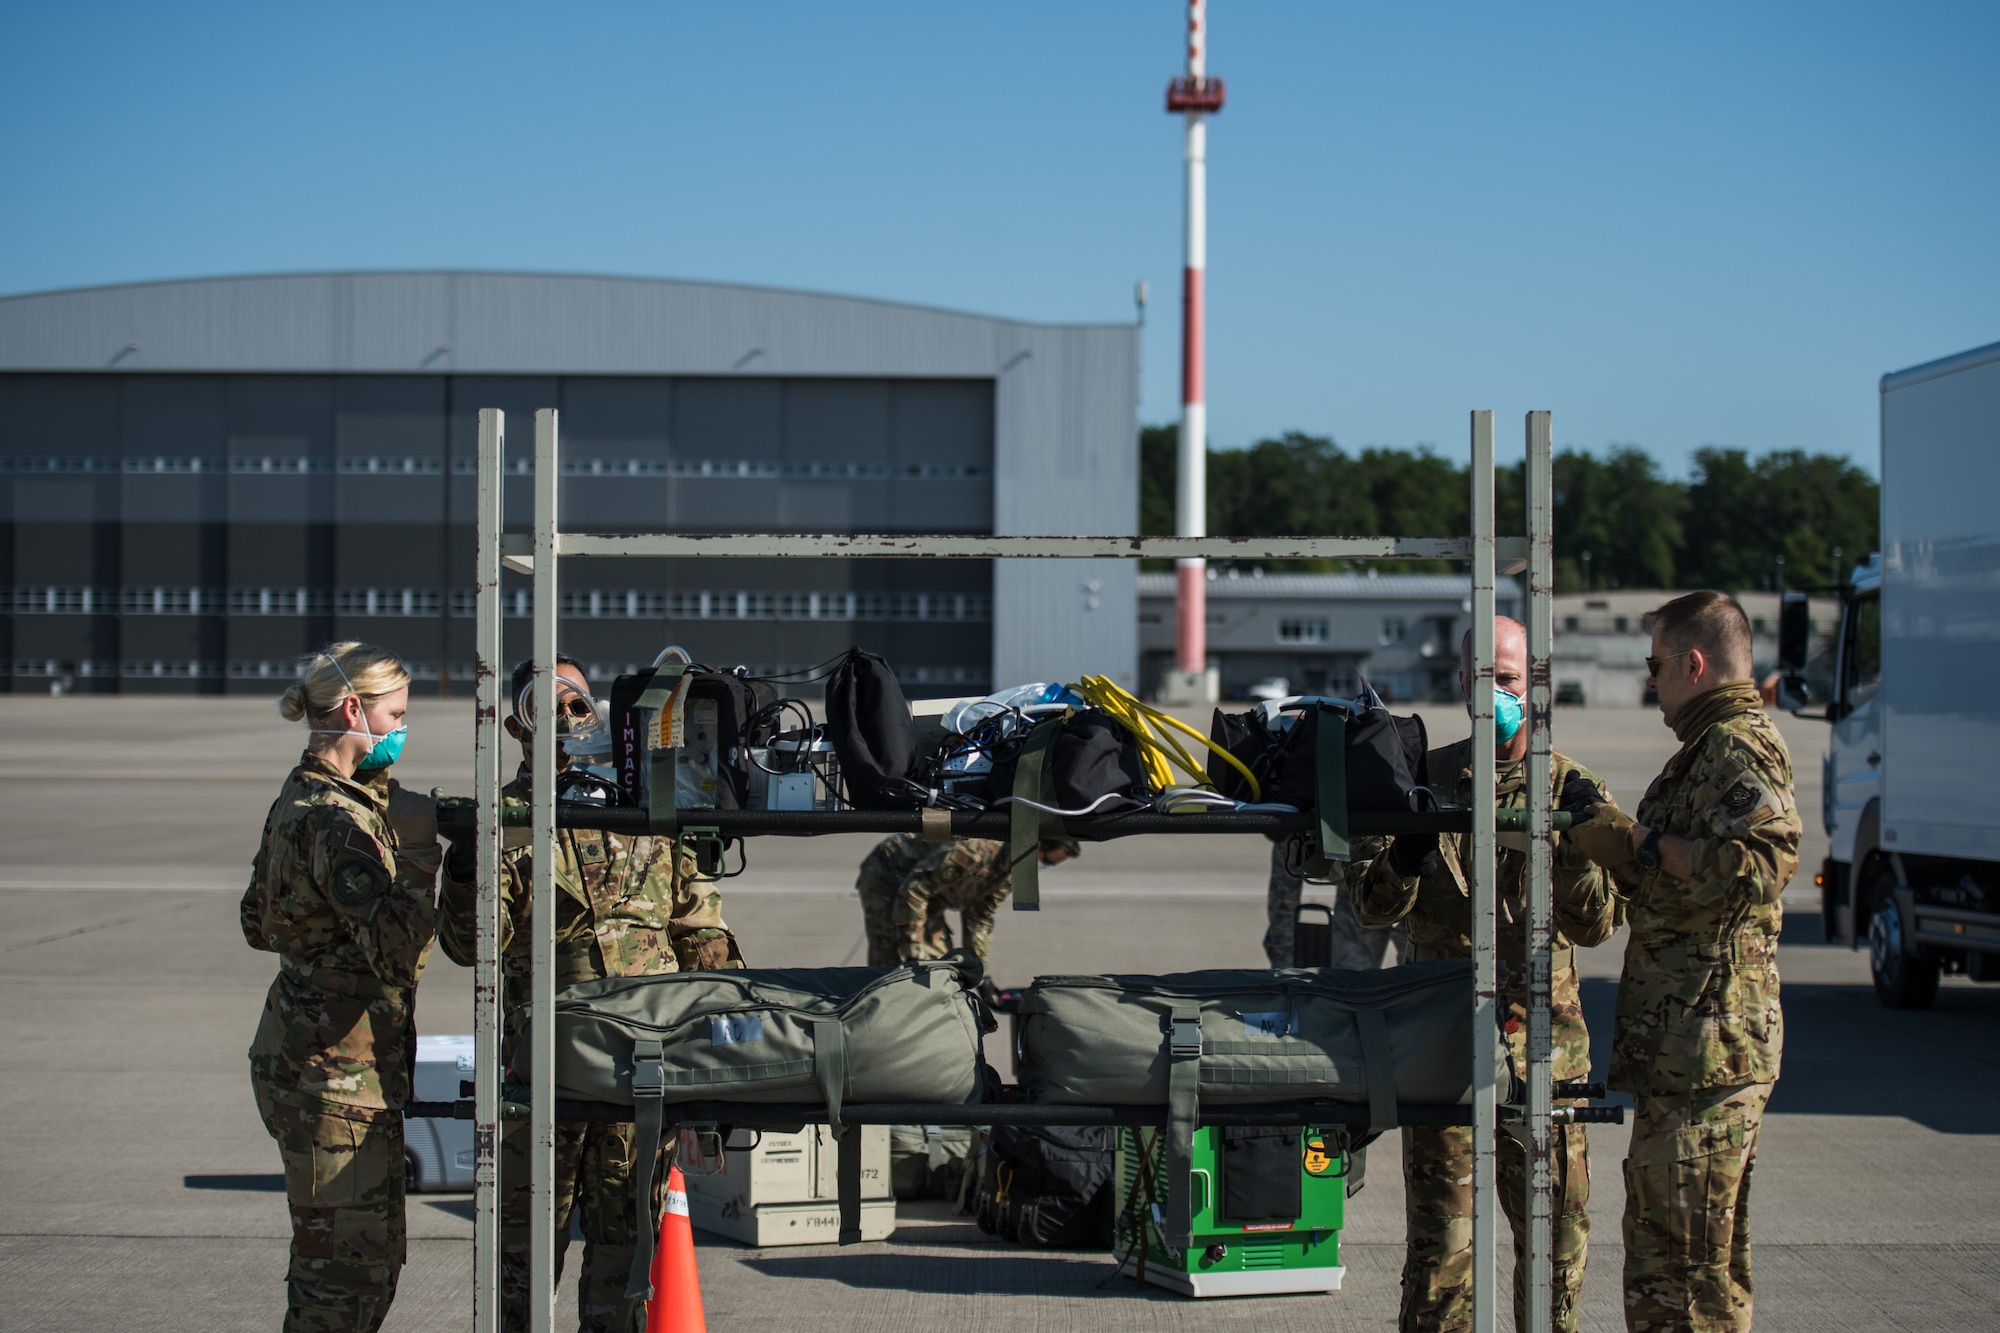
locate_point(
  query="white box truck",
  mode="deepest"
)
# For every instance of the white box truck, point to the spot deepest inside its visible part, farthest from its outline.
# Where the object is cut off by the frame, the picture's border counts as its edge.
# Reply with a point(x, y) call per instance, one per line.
point(1912, 771)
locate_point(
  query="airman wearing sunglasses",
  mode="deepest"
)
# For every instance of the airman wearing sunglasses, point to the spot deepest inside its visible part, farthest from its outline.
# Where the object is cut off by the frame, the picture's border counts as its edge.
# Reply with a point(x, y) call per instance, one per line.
point(627, 907)
point(1698, 1031)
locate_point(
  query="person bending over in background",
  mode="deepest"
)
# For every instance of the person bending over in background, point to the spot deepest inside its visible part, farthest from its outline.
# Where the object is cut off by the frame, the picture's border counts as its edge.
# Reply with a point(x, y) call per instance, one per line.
point(906, 884)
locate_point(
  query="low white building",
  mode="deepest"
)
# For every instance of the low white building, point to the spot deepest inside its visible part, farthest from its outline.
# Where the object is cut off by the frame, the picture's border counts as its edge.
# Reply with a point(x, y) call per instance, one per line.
point(1323, 633)
point(1601, 641)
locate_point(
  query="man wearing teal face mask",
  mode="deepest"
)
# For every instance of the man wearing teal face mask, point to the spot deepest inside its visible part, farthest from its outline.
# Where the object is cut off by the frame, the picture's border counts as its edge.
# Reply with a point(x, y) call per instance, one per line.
point(1421, 882)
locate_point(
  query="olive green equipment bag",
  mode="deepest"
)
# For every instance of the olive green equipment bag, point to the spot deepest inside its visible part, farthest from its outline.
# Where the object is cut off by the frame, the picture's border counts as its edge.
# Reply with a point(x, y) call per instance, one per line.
point(909, 1033)
point(1233, 1038)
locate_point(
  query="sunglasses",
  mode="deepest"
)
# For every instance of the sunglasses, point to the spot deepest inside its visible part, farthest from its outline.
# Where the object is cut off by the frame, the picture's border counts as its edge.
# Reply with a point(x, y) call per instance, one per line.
point(1653, 664)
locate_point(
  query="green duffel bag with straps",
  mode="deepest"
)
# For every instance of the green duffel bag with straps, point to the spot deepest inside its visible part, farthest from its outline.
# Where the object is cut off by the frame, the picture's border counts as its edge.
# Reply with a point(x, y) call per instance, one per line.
point(1376, 1039)
point(835, 1035)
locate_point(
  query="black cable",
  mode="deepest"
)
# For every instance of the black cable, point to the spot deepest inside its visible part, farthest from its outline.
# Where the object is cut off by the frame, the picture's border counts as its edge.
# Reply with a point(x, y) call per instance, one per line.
point(811, 673)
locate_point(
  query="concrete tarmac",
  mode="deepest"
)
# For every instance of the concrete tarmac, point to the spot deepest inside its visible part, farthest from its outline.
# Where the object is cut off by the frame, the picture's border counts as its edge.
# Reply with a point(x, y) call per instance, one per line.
point(137, 1186)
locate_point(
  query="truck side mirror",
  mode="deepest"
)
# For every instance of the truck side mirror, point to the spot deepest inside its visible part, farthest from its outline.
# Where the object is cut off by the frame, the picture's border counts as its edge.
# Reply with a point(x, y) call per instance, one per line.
point(1794, 630)
point(1795, 695)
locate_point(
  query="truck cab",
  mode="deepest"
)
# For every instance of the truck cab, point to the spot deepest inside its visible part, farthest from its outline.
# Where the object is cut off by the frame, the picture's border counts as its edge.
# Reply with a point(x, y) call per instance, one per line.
point(1849, 675)
point(1905, 682)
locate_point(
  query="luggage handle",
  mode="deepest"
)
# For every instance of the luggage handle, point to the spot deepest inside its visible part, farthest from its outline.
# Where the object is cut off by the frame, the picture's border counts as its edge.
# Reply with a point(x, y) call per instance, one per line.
point(1198, 1202)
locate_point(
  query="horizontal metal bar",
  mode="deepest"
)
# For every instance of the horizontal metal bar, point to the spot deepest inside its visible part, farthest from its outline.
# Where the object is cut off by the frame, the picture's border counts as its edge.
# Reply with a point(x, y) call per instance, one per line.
point(966, 546)
point(757, 1115)
point(454, 818)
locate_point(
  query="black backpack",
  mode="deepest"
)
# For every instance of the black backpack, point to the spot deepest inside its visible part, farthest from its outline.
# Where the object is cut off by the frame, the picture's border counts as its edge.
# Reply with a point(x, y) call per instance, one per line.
point(1048, 1186)
point(868, 721)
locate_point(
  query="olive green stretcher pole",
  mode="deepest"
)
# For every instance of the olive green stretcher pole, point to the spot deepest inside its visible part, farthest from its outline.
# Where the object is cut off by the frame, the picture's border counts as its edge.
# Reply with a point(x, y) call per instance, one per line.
point(1541, 1173)
point(487, 759)
point(1485, 790)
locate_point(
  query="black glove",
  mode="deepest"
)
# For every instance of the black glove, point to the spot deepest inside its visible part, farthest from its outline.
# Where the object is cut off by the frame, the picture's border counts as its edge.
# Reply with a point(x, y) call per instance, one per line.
point(461, 863)
point(1579, 795)
point(1414, 855)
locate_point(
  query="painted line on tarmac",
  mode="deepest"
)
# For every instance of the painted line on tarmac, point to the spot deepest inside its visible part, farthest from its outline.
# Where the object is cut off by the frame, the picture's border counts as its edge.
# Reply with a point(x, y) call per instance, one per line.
point(124, 885)
point(1108, 891)
point(730, 890)
point(95, 925)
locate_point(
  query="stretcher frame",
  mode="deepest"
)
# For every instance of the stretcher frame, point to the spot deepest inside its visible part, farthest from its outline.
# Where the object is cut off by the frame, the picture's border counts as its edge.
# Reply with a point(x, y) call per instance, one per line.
point(537, 553)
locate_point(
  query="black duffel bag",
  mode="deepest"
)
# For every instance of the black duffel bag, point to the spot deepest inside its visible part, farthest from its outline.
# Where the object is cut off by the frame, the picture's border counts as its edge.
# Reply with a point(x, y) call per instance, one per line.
point(1386, 768)
point(1090, 758)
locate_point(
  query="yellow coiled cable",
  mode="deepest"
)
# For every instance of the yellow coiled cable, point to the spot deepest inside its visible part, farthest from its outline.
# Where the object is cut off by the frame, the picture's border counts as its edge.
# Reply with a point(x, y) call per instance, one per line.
point(1161, 753)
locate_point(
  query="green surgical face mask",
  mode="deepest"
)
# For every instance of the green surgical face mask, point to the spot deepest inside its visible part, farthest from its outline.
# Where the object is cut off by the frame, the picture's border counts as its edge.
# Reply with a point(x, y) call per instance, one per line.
point(1508, 714)
point(387, 750)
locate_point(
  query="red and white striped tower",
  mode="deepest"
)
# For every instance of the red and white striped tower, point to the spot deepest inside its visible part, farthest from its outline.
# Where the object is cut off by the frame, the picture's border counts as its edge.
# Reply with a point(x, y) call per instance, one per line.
point(1196, 97)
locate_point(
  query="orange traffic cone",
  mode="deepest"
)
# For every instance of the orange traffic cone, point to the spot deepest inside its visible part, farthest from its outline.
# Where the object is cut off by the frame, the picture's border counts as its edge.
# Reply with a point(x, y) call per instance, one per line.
point(676, 1303)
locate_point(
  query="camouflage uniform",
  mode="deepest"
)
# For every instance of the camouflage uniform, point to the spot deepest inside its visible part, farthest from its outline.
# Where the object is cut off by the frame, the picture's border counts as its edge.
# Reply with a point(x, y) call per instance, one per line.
point(1437, 1163)
point(1699, 1031)
point(1354, 945)
point(627, 908)
point(906, 885)
point(349, 913)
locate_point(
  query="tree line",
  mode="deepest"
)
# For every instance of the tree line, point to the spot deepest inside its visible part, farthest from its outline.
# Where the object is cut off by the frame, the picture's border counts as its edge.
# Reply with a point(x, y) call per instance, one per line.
point(1786, 518)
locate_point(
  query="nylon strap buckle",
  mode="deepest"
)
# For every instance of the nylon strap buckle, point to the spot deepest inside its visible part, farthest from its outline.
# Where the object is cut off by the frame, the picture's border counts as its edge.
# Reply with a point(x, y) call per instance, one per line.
point(1184, 1039)
point(707, 845)
point(649, 1078)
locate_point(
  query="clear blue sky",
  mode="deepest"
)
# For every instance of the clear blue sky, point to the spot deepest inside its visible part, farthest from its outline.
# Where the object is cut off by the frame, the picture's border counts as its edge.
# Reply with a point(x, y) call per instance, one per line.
point(1673, 225)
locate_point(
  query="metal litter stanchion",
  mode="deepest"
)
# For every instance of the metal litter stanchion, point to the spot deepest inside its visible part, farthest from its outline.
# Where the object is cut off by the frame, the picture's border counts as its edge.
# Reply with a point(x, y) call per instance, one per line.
point(542, 1098)
point(1485, 993)
point(486, 767)
point(1541, 1174)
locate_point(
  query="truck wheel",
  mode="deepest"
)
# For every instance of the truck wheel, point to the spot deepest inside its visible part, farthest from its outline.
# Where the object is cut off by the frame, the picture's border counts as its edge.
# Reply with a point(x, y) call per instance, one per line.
point(1902, 981)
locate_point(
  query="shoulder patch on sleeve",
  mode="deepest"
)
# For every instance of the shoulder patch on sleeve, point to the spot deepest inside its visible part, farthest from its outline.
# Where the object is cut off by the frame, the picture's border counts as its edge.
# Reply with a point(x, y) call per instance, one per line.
point(358, 882)
point(1740, 799)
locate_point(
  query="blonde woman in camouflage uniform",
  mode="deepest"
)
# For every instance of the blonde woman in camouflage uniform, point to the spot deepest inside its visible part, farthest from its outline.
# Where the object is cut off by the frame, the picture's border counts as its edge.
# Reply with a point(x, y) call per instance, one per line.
point(1422, 882)
point(628, 907)
point(906, 884)
point(1699, 1031)
point(348, 910)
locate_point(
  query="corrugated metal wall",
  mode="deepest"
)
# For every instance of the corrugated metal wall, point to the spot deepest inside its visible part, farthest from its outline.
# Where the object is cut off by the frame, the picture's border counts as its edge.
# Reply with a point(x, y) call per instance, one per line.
point(1067, 407)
